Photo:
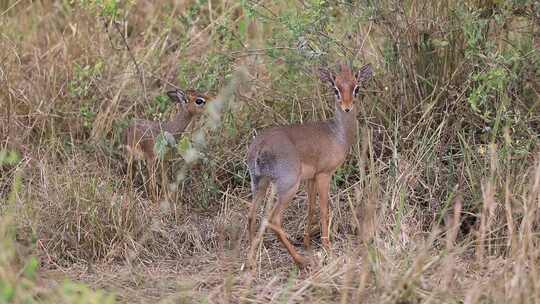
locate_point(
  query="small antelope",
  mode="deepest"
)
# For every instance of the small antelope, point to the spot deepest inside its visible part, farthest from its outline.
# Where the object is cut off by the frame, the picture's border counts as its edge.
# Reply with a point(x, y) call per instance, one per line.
point(287, 155)
point(140, 136)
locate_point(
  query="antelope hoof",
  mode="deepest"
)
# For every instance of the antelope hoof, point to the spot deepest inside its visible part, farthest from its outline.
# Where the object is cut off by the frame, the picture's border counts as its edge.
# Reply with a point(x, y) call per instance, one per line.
point(305, 263)
point(326, 244)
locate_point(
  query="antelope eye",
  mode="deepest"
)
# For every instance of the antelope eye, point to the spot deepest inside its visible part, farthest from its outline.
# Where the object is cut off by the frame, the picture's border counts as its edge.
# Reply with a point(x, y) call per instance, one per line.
point(356, 91)
point(336, 92)
point(199, 101)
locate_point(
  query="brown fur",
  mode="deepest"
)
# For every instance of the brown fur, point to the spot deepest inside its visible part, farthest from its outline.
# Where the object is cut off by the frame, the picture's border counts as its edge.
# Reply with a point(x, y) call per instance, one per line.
point(310, 152)
point(140, 136)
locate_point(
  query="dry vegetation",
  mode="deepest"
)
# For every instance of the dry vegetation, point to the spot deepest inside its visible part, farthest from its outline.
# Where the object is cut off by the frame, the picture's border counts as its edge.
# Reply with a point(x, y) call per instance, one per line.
point(438, 201)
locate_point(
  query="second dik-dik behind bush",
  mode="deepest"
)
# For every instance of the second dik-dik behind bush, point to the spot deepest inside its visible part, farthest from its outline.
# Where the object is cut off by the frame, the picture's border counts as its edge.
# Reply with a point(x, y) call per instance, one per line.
point(140, 137)
point(287, 155)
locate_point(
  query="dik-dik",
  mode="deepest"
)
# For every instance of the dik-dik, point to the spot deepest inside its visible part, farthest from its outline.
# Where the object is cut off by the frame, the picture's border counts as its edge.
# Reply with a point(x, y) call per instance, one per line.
point(311, 152)
point(140, 137)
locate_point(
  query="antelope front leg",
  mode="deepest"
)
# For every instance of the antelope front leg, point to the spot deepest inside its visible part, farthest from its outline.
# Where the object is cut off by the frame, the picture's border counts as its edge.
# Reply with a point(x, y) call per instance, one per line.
point(323, 186)
point(311, 198)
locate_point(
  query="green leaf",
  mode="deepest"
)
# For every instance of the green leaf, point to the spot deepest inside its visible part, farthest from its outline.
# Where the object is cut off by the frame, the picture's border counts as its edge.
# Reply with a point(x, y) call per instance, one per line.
point(183, 145)
point(31, 267)
point(242, 28)
point(187, 151)
point(7, 292)
point(162, 103)
point(160, 147)
point(9, 157)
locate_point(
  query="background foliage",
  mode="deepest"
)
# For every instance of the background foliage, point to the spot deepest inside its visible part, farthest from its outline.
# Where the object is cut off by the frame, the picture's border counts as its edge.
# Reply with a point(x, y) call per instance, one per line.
point(437, 202)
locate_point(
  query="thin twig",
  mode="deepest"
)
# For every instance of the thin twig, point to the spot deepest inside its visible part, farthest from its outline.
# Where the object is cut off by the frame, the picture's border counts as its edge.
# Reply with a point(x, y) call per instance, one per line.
point(9, 8)
point(130, 53)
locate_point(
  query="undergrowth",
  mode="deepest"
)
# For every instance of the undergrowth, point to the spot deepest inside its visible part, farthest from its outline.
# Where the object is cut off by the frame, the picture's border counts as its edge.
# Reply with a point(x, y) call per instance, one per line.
point(437, 201)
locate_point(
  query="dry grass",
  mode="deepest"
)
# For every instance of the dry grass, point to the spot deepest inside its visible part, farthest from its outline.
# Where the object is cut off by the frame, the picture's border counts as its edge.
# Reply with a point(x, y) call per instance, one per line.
point(437, 202)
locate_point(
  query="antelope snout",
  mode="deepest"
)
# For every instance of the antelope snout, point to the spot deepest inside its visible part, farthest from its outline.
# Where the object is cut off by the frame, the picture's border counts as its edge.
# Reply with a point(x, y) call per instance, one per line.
point(346, 108)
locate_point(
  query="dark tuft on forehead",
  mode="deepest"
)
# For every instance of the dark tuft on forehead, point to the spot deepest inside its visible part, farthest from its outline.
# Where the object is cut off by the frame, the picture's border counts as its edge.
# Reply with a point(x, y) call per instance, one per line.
point(345, 73)
point(192, 94)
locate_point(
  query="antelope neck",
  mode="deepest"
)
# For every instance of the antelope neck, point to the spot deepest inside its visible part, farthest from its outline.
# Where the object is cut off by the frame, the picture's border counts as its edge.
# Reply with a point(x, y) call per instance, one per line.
point(179, 123)
point(344, 126)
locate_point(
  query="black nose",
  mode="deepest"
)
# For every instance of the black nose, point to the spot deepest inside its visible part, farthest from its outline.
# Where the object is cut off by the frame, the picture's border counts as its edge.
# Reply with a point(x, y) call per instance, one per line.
point(347, 110)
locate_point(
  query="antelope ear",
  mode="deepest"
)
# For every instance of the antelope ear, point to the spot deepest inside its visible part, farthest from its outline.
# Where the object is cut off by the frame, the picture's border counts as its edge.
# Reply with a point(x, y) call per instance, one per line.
point(327, 75)
point(364, 74)
point(177, 96)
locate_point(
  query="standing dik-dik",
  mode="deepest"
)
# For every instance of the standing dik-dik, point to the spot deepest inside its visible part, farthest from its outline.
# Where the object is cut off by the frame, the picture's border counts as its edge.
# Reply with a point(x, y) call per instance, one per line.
point(287, 155)
point(140, 137)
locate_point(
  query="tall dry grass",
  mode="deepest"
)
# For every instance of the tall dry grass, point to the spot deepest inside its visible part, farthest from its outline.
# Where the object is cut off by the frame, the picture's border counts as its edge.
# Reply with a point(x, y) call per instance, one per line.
point(437, 202)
